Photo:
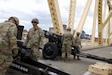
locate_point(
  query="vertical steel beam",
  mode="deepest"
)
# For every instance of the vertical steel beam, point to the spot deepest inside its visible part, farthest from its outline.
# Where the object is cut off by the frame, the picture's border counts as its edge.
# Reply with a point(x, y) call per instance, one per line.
point(100, 41)
point(71, 15)
point(94, 23)
point(55, 14)
point(107, 20)
point(110, 15)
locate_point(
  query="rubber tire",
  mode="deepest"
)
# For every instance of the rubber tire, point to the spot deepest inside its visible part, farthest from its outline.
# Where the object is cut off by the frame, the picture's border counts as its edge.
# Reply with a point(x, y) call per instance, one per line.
point(50, 51)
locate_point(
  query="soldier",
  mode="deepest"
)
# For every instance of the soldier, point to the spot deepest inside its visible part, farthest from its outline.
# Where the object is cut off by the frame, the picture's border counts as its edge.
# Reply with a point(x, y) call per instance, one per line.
point(66, 44)
point(35, 39)
point(8, 43)
point(77, 44)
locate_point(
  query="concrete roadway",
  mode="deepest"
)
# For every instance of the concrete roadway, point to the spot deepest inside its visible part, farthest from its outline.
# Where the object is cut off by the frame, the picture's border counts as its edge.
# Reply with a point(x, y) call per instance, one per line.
point(76, 67)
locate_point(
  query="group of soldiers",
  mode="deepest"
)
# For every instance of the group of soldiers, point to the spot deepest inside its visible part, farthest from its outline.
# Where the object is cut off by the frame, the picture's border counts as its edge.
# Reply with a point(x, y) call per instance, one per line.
point(8, 41)
point(35, 37)
point(69, 42)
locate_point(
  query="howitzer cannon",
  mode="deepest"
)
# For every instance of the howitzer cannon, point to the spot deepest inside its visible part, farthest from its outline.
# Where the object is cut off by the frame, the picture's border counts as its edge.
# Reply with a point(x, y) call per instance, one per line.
point(23, 63)
point(52, 49)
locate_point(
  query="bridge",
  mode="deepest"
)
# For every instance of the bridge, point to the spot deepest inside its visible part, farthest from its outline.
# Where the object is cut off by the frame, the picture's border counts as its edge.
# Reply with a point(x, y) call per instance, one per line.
point(101, 19)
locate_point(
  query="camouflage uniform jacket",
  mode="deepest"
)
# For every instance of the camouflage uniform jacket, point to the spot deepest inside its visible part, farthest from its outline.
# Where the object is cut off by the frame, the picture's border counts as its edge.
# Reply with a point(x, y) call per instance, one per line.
point(8, 40)
point(76, 41)
point(35, 38)
point(67, 38)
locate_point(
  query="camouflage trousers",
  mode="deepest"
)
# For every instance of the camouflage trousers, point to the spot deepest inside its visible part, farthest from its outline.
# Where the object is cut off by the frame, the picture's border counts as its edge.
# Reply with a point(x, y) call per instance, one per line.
point(4, 67)
point(36, 54)
point(5, 62)
point(66, 51)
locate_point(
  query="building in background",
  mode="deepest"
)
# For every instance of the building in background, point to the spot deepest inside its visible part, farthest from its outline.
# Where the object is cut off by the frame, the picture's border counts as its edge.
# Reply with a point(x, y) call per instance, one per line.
point(51, 29)
point(87, 36)
point(83, 34)
point(24, 35)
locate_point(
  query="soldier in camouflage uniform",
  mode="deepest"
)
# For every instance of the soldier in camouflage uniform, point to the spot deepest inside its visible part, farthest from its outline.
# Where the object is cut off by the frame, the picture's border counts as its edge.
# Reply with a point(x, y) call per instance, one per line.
point(8, 43)
point(66, 44)
point(77, 44)
point(35, 39)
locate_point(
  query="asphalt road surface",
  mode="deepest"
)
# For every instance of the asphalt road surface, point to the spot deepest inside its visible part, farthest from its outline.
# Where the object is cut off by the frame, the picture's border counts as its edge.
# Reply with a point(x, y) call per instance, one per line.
point(75, 67)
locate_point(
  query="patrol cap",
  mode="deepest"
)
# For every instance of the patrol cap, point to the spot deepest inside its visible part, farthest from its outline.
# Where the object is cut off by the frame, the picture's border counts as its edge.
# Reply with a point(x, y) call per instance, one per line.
point(68, 29)
point(35, 20)
point(15, 19)
point(78, 33)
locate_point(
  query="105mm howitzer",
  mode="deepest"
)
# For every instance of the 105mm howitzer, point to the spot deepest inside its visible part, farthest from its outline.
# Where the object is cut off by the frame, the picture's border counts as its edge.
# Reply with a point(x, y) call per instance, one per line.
point(23, 63)
point(52, 49)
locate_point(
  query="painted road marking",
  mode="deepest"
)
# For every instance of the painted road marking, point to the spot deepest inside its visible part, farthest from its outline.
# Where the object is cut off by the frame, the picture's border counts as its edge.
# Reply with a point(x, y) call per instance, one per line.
point(110, 52)
point(87, 73)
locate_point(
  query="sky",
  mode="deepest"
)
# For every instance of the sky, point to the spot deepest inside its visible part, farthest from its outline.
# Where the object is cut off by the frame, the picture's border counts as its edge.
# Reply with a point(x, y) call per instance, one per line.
point(25, 10)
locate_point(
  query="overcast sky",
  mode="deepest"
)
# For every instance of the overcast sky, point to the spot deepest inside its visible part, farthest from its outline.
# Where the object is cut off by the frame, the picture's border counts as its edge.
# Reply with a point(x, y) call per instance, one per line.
point(25, 10)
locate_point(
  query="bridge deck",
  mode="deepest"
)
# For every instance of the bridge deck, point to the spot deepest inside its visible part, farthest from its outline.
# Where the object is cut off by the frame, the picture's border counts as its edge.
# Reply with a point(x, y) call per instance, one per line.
point(76, 67)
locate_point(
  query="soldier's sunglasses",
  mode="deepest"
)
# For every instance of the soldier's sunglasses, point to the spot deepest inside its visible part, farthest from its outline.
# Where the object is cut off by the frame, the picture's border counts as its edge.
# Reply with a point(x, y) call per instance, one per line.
point(33, 22)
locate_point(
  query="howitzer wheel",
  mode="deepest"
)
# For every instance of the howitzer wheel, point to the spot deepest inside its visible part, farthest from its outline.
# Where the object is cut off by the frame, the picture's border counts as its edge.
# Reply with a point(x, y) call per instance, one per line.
point(50, 51)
